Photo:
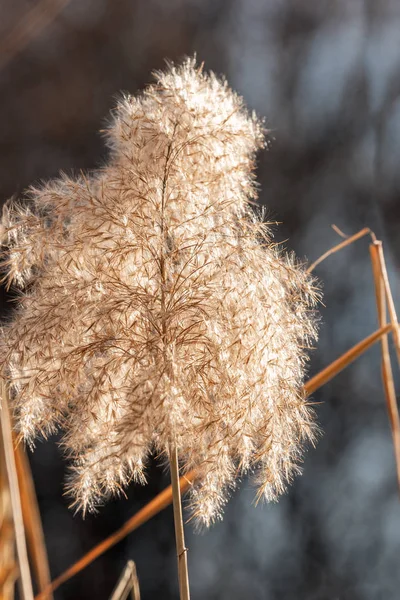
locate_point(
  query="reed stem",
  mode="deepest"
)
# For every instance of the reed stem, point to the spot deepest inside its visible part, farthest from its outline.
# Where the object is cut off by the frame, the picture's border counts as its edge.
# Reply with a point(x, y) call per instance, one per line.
point(344, 360)
point(32, 522)
point(376, 253)
point(23, 562)
point(389, 298)
point(181, 550)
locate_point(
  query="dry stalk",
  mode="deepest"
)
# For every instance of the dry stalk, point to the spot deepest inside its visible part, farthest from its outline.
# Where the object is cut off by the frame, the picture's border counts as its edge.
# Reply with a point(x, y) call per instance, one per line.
point(380, 258)
point(32, 521)
point(384, 299)
point(376, 253)
point(349, 240)
point(127, 584)
point(24, 571)
point(343, 361)
point(8, 566)
point(181, 550)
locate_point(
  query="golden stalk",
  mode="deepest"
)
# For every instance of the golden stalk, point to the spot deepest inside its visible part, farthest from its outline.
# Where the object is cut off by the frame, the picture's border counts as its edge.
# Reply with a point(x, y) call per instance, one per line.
point(338, 247)
point(8, 566)
point(376, 253)
point(389, 298)
point(343, 361)
point(32, 521)
point(383, 297)
point(24, 571)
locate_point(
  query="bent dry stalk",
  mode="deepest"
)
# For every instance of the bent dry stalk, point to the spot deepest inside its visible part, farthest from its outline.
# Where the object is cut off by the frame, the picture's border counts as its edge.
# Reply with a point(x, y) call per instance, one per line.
point(128, 584)
point(25, 581)
point(383, 296)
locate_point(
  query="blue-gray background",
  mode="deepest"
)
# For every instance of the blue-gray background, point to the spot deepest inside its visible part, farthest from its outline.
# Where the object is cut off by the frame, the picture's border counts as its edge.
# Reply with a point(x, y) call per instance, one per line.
point(326, 75)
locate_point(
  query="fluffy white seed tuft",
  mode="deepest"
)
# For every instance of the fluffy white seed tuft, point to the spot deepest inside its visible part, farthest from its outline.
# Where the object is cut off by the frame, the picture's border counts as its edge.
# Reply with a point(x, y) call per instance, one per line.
point(156, 310)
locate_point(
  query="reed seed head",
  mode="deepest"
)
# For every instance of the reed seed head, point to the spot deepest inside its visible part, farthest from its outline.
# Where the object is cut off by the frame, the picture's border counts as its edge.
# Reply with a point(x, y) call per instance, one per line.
point(155, 310)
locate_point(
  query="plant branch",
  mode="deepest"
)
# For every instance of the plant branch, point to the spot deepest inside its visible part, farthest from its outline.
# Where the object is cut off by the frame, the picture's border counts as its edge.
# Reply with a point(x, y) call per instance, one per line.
point(338, 247)
point(343, 361)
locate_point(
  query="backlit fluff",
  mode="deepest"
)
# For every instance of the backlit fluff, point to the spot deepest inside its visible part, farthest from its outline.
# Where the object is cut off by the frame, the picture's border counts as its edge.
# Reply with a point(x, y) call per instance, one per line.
point(155, 310)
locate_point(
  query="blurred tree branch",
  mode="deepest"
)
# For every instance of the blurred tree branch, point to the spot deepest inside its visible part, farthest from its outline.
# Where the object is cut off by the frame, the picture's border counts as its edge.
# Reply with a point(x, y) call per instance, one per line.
point(29, 27)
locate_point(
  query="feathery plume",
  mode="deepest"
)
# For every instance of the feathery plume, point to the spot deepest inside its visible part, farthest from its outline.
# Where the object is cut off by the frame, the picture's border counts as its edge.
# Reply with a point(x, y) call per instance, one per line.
point(155, 310)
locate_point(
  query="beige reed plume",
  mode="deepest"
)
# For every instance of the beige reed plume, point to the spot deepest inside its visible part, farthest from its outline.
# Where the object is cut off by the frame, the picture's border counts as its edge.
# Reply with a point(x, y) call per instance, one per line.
point(156, 314)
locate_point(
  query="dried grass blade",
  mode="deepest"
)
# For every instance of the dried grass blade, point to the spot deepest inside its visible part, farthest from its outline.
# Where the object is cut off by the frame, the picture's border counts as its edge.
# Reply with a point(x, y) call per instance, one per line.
point(151, 509)
point(32, 521)
point(387, 374)
point(127, 584)
point(8, 566)
point(343, 361)
point(389, 298)
point(25, 576)
point(338, 247)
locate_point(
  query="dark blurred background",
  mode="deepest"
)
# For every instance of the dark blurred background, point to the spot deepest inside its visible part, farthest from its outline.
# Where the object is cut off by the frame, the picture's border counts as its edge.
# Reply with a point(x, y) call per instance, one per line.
point(326, 75)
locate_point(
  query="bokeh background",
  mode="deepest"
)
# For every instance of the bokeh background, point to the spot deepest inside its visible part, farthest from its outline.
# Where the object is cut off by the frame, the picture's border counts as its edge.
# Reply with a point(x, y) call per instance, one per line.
point(326, 75)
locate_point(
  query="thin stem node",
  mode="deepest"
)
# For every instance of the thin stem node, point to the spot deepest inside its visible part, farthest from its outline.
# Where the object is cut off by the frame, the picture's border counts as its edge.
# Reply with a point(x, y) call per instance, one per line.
point(181, 549)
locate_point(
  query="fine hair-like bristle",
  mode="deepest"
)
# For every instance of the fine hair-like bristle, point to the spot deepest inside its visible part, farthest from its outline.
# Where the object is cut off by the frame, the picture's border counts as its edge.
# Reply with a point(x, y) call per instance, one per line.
point(155, 309)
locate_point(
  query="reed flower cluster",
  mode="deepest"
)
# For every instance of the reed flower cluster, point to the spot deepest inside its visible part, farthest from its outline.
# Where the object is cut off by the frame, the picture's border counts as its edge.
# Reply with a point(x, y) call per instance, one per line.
point(155, 310)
